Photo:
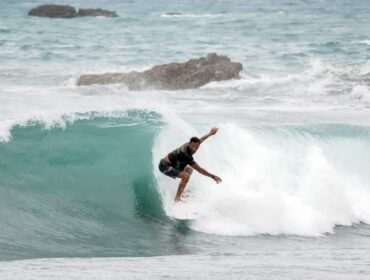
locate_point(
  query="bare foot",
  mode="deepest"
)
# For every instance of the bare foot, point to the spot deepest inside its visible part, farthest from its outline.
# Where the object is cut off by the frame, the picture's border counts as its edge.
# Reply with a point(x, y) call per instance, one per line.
point(179, 200)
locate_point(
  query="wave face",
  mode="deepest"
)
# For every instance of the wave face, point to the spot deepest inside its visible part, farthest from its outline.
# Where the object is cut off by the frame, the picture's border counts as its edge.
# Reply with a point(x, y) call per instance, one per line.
point(83, 190)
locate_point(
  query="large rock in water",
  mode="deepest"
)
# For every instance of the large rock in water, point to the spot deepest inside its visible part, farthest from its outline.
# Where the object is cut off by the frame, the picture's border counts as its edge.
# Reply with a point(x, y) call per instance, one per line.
point(96, 13)
point(53, 11)
point(174, 76)
point(62, 11)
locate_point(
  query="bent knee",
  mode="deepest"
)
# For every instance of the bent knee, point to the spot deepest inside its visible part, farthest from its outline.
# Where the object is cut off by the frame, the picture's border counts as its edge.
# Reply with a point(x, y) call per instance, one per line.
point(185, 176)
point(189, 170)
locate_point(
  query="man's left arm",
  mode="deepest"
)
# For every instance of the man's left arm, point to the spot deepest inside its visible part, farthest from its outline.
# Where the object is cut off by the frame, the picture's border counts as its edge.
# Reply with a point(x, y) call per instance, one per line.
point(212, 132)
point(204, 172)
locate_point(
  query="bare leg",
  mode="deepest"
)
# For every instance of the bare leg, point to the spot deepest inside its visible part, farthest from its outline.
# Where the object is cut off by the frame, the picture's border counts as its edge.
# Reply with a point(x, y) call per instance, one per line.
point(185, 176)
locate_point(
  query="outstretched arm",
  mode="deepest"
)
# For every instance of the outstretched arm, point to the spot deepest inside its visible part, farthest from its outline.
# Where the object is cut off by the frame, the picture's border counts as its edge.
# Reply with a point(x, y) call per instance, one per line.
point(204, 172)
point(212, 132)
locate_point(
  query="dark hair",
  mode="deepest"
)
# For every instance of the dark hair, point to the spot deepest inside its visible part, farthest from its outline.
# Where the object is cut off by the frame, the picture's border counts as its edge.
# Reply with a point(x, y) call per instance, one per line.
point(194, 140)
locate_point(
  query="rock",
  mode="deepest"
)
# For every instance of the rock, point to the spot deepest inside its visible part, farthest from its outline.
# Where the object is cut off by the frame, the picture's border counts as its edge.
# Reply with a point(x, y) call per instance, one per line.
point(53, 11)
point(96, 13)
point(62, 11)
point(173, 76)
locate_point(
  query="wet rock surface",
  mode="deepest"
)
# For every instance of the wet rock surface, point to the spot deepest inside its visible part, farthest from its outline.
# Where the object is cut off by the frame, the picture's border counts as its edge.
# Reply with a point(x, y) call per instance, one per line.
point(173, 76)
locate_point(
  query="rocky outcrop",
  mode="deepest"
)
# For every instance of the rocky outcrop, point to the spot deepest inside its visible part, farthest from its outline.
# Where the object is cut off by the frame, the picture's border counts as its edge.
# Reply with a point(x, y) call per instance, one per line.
point(53, 11)
point(63, 11)
point(173, 76)
point(96, 13)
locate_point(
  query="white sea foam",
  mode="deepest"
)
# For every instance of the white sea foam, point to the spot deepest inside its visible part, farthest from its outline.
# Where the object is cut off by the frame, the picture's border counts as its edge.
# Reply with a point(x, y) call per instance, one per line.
point(364, 42)
point(273, 182)
point(361, 93)
point(313, 80)
point(365, 69)
point(320, 83)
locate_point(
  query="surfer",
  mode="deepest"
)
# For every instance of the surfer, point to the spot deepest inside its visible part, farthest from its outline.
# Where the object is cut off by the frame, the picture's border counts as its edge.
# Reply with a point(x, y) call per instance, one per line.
point(175, 164)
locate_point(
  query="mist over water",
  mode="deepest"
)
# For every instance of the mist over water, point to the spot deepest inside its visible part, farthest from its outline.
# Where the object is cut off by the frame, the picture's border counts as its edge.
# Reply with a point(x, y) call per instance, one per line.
point(79, 165)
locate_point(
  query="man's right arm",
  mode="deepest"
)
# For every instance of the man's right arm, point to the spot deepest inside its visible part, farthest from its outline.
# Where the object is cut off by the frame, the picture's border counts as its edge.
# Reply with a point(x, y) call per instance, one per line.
point(204, 172)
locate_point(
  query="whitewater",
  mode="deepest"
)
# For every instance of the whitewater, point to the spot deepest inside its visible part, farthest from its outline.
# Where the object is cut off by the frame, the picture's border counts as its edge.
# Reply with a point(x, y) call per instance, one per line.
point(81, 196)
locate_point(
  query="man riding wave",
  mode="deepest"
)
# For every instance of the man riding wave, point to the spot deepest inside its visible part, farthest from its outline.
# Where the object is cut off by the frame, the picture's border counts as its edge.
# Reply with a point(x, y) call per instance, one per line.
point(175, 164)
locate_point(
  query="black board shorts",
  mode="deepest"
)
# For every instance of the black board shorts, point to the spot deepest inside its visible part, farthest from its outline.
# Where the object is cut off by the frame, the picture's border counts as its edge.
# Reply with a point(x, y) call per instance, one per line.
point(166, 168)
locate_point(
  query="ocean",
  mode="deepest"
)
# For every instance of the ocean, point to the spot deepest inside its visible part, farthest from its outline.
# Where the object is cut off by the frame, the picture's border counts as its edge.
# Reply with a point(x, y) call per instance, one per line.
point(81, 196)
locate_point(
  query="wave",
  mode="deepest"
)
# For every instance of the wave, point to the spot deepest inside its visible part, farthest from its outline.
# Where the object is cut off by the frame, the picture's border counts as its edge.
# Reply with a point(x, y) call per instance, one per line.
point(319, 81)
point(286, 180)
point(85, 190)
point(92, 188)
point(24, 105)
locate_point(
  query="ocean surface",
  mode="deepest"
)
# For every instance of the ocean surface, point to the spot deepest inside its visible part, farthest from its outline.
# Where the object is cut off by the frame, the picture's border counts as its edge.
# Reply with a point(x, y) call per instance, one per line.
point(81, 196)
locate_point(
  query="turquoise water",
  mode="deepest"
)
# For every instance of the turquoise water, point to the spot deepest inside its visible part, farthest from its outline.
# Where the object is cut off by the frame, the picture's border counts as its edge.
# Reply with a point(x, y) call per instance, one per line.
point(88, 191)
point(82, 183)
point(78, 165)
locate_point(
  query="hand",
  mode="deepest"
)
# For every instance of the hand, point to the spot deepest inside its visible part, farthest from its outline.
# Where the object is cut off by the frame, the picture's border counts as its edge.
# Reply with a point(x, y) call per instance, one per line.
point(217, 179)
point(213, 131)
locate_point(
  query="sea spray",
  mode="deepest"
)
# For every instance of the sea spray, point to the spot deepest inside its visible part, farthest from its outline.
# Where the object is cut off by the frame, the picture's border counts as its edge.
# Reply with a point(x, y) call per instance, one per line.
point(288, 180)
